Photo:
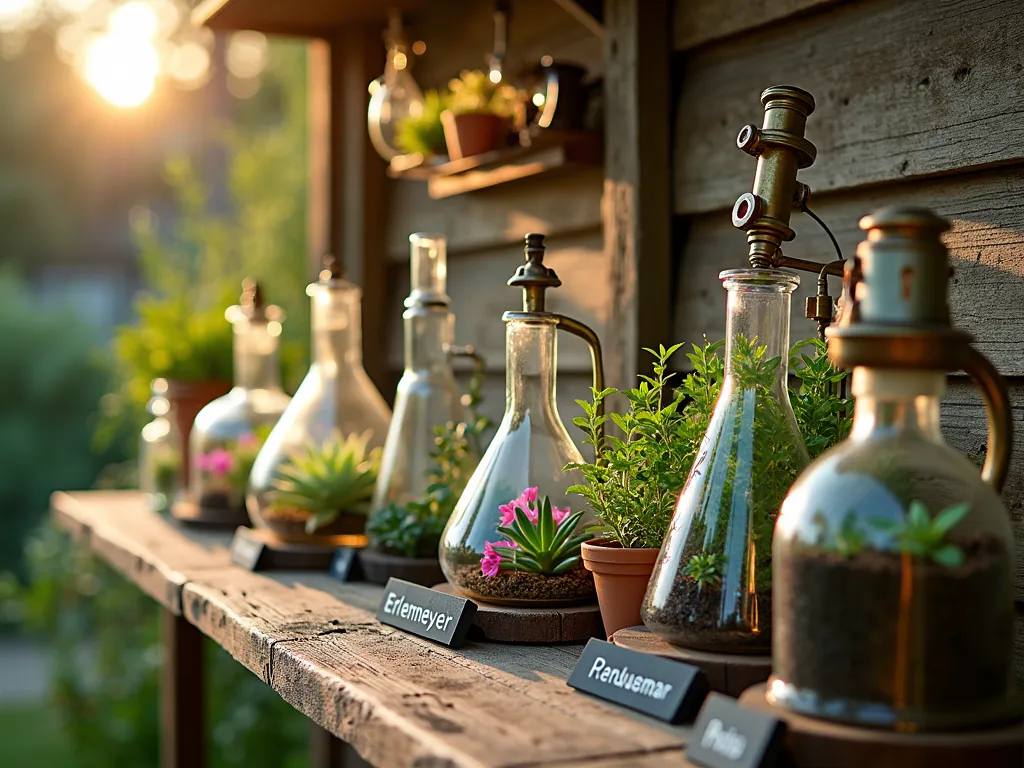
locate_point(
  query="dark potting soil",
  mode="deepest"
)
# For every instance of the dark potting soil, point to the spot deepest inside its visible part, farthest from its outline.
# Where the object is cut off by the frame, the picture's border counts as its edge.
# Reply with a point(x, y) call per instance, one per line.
point(941, 658)
point(696, 617)
point(573, 587)
point(220, 500)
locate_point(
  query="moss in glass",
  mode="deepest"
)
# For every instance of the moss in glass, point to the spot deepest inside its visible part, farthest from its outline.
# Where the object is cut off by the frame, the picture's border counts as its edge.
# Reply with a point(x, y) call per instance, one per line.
point(328, 431)
point(228, 432)
point(711, 586)
point(159, 452)
point(522, 469)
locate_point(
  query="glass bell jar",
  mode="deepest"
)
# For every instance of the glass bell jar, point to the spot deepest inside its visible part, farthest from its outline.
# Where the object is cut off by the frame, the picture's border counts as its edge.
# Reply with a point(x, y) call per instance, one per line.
point(515, 533)
point(228, 432)
point(394, 95)
point(893, 556)
point(313, 479)
point(711, 586)
point(159, 451)
point(428, 395)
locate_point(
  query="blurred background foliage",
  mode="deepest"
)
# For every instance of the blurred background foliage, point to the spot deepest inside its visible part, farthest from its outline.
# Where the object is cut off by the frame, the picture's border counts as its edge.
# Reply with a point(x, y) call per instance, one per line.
point(70, 411)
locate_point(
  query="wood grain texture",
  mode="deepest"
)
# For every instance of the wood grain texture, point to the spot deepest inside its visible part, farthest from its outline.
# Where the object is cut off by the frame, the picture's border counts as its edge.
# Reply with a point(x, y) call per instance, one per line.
point(148, 549)
point(697, 22)
point(986, 246)
point(903, 89)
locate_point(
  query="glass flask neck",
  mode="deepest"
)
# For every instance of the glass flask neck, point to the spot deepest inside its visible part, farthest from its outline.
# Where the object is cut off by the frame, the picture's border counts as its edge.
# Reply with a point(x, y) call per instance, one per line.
point(337, 328)
point(428, 335)
point(890, 403)
point(757, 315)
point(255, 354)
point(530, 350)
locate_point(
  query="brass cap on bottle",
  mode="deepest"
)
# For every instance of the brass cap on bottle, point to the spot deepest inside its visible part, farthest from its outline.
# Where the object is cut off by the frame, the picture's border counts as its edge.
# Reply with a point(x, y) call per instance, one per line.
point(533, 277)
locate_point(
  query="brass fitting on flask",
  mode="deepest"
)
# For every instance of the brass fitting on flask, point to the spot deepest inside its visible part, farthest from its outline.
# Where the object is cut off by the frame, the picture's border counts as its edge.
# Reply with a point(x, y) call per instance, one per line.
point(781, 150)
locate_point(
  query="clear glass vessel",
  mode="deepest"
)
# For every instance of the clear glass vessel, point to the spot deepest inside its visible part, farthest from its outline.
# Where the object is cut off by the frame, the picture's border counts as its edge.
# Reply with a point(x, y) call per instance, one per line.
point(159, 451)
point(428, 395)
point(893, 559)
point(711, 586)
point(524, 462)
point(394, 95)
point(227, 433)
point(335, 402)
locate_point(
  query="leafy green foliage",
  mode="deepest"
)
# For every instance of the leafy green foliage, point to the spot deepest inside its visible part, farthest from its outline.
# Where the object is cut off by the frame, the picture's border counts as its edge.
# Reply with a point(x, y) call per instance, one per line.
point(473, 91)
point(705, 569)
point(543, 546)
point(634, 481)
point(327, 479)
point(920, 535)
point(824, 418)
point(424, 133)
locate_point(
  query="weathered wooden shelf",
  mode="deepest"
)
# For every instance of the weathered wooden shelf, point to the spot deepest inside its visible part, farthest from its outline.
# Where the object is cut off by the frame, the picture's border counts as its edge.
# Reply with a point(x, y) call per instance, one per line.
point(399, 700)
point(304, 18)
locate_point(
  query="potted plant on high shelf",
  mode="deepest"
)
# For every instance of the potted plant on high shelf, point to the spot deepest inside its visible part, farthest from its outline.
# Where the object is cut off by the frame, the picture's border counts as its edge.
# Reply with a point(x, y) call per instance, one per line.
point(634, 480)
point(421, 136)
point(479, 114)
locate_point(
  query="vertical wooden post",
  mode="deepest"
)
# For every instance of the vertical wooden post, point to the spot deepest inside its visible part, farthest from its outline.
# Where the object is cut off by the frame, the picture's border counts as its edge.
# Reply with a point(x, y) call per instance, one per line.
point(182, 734)
point(328, 751)
point(637, 201)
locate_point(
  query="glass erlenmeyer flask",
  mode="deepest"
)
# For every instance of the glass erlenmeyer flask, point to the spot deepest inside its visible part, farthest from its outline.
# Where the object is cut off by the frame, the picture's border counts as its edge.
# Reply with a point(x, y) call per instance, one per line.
point(228, 432)
point(711, 586)
point(428, 395)
point(314, 476)
point(893, 558)
point(160, 451)
point(522, 467)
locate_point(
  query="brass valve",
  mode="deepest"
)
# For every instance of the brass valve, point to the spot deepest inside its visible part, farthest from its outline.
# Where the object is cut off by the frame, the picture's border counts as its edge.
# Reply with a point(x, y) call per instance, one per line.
point(781, 150)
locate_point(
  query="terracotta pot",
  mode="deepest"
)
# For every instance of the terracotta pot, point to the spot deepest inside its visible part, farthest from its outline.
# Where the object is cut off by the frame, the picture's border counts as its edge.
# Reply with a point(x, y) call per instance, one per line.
point(620, 576)
point(187, 399)
point(378, 567)
point(472, 134)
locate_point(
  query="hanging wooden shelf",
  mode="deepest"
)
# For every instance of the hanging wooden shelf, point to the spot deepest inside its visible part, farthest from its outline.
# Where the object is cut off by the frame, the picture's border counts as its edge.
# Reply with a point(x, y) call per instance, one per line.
point(304, 18)
point(550, 152)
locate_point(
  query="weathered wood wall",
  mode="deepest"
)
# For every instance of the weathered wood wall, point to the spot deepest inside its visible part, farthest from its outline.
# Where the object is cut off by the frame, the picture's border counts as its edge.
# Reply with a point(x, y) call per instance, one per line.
point(918, 102)
point(485, 229)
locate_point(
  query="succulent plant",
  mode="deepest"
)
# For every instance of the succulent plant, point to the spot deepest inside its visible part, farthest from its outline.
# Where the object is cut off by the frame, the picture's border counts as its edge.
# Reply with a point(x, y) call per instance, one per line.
point(328, 479)
point(920, 535)
point(705, 569)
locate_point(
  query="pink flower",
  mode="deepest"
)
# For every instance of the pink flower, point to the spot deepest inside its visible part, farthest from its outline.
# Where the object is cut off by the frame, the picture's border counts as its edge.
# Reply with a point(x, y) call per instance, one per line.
point(558, 515)
point(490, 563)
point(527, 502)
point(217, 462)
point(248, 440)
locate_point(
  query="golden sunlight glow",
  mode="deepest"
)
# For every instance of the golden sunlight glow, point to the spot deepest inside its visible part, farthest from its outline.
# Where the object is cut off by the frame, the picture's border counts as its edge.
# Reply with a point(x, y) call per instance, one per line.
point(12, 12)
point(122, 70)
point(135, 20)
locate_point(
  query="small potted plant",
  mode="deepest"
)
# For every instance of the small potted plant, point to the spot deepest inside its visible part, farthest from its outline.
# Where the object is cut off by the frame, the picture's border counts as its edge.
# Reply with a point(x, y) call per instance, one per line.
point(404, 539)
point(633, 483)
point(423, 134)
point(323, 491)
point(478, 116)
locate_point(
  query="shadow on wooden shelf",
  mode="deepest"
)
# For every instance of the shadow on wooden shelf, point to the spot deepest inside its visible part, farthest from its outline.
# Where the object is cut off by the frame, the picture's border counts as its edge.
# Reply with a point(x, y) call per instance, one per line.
point(549, 152)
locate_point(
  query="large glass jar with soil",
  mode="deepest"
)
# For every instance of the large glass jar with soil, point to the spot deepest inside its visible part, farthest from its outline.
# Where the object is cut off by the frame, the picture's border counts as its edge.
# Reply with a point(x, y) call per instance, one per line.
point(523, 467)
point(228, 432)
point(893, 557)
point(711, 586)
point(313, 478)
point(159, 451)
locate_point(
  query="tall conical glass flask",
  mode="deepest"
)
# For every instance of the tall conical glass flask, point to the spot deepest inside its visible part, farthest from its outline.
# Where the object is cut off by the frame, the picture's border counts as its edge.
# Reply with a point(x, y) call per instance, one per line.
point(227, 433)
point(711, 586)
point(428, 395)
point(313, 479)
point(893, 557)
point(522, 467)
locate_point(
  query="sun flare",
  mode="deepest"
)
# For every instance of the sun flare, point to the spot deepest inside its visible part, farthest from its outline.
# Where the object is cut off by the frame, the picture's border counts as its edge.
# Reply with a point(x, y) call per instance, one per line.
point(122, 69)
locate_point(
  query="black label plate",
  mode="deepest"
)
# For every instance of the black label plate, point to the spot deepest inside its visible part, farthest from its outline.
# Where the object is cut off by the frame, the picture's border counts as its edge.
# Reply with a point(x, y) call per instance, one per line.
point(248, 552)
point(728, 735)
point(346, 565)
point(425, 612)
point(662, 688)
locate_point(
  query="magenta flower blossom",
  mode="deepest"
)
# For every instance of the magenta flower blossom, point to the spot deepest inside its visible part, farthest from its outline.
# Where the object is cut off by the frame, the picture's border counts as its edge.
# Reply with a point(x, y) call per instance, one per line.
point(490, 563)
point(558, 515)
point(217, 462)
point(527, 502)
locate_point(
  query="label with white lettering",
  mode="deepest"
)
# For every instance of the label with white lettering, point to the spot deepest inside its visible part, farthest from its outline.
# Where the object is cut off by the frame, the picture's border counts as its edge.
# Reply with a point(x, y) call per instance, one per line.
point(426, 612)
point(246, 551)
point(666, 689)
point(729, 735)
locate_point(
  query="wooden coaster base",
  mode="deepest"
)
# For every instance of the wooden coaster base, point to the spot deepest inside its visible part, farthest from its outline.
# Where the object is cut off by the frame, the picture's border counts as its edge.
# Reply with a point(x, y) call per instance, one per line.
point(192, 514)
point(503, 624)
point(259, 550)
point(728, 673)
point(814, 743)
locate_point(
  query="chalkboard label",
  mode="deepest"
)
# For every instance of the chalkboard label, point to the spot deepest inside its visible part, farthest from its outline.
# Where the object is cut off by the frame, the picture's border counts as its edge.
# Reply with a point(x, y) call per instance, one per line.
point(246, 551)
point(728, 735)
point(425, 612)
point(346, 565)
point(665, 689)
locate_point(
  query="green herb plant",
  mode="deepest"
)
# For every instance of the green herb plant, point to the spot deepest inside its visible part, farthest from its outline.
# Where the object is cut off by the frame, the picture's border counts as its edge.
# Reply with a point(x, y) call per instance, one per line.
point(424, 133)
point(473, 92)
point(328, 479)
point(541, 540)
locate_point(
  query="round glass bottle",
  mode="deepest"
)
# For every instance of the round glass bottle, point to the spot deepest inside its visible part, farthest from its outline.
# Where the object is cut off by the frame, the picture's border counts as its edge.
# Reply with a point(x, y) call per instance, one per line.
point(227, 433)
point(520, 479)
point(314, 476)
point(159, 451)
point(711, 586)
point(892, 558)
